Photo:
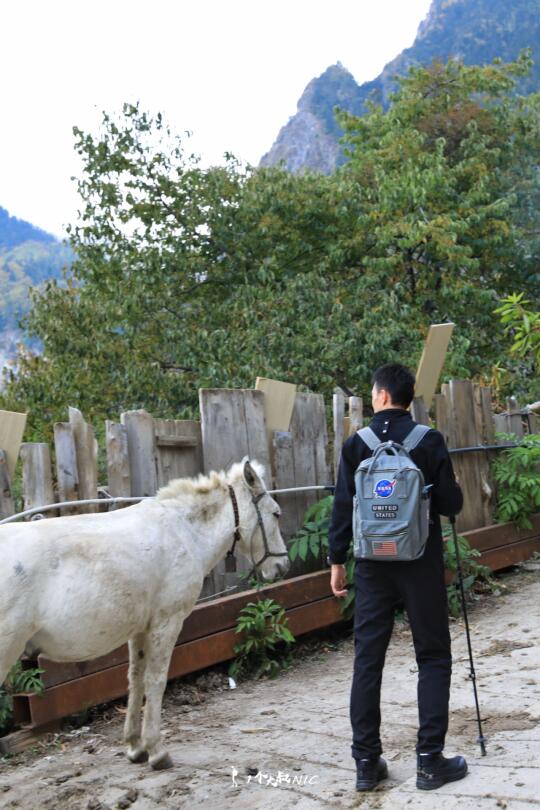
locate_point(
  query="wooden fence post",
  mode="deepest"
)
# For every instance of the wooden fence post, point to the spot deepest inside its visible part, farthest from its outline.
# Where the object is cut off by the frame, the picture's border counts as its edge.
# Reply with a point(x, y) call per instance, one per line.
point(86, 454)
point(283, 462)
point(37, 476)
point(356, 414)
point(471, 468)
point(419, 412)
point(6, 498)
point(232, 426)
point(141, 440)
point(338, 410)
point(118, 477)
point(67, 475)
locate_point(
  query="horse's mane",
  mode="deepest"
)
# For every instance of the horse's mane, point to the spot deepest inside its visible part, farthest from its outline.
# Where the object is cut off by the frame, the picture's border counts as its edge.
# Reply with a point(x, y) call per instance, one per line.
point(206, 484)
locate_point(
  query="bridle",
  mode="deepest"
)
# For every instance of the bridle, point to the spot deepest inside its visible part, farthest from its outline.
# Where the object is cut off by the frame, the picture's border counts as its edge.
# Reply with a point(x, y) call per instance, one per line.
point(230, 560)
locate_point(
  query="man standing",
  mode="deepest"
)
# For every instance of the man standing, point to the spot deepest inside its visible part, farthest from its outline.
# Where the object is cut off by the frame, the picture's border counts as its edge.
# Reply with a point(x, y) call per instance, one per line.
point(379, 586)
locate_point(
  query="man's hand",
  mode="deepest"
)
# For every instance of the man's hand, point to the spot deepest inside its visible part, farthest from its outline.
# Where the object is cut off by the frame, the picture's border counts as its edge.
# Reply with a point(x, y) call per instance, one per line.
point(338, 580)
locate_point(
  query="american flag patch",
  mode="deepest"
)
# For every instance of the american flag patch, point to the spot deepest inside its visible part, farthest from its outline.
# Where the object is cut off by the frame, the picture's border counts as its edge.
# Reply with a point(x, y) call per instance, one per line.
point(384, 548)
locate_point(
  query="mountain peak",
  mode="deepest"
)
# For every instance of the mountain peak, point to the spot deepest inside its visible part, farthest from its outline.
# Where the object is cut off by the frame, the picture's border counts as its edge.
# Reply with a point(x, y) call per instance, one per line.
point(14, 231)
point(475, 31)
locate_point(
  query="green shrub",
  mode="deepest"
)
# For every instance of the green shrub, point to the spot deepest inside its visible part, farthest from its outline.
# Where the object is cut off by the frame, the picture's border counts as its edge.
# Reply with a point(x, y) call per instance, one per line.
point(17, 680)
point(313, 539)
point(263, 648)
point(517, 473)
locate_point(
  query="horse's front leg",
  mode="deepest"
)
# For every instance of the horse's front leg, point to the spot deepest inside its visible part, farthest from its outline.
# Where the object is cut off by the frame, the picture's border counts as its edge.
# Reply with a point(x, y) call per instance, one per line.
point(160, 643)
point(133, 724)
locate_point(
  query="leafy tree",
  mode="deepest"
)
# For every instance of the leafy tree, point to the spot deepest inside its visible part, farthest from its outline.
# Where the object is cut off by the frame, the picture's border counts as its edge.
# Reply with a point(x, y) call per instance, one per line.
point(188, 277)
point(522, 324)
point(450, 198)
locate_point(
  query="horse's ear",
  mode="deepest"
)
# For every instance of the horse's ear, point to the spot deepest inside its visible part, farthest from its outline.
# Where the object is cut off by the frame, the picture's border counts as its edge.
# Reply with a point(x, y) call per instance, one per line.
point(252, 479)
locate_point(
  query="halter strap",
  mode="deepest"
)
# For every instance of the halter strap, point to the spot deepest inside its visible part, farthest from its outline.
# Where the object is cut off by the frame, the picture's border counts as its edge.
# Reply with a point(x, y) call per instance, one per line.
point(230, 561)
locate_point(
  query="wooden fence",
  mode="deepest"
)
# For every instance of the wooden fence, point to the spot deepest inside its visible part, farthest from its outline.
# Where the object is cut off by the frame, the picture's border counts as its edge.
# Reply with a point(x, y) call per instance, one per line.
point(144, 453)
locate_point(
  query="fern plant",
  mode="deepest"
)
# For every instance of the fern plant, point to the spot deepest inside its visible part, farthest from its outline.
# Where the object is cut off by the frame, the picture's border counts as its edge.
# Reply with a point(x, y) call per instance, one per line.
point(17, 680)
point(517, 473)
point(266, 639)
point(312, 539)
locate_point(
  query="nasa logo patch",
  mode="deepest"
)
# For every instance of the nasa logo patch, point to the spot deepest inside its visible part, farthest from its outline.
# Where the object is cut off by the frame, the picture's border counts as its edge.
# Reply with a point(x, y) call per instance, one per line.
point(384, 488)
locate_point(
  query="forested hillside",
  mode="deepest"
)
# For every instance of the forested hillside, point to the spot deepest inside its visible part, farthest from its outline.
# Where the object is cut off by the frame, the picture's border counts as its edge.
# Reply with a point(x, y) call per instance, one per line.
point(28, 256)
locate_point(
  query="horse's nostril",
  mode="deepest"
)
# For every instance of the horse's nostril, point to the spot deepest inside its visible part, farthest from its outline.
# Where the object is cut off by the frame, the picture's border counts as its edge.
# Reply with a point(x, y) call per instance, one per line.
point(283, 567)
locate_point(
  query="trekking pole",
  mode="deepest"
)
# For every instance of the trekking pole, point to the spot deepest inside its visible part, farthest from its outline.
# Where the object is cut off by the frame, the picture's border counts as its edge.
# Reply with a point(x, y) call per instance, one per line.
point(472, 675)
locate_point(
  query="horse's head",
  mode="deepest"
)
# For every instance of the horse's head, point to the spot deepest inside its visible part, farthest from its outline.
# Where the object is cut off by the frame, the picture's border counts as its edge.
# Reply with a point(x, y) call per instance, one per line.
point(260, 538)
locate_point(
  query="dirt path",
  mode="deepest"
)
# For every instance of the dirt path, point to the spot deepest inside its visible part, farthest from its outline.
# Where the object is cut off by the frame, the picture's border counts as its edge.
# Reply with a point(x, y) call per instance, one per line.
point(298, 726)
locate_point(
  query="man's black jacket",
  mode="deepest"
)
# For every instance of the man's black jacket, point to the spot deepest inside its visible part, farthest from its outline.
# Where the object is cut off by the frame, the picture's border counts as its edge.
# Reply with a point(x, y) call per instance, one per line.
point(431, 456)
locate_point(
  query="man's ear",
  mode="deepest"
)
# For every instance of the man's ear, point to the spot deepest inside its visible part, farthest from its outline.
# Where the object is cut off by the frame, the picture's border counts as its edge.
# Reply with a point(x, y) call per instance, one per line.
point(252, 479)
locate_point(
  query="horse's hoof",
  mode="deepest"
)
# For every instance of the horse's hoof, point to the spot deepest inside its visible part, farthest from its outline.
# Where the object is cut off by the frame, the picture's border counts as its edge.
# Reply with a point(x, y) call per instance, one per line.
point(162, 763)
point(138, 756)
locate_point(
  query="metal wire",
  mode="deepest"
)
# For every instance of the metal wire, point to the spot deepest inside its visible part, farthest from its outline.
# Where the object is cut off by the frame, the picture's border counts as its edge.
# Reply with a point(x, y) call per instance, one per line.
point(319, 487)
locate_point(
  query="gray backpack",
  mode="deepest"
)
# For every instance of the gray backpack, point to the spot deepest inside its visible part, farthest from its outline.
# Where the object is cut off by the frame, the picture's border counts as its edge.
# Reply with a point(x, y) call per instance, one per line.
point(391, 504)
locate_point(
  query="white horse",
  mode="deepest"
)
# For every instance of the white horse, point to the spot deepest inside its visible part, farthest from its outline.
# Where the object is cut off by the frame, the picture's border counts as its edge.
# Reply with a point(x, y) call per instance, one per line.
point(79, 586)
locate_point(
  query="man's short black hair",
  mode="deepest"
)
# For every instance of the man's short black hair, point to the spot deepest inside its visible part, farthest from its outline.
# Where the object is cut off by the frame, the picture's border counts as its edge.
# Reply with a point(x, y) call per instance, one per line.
point(398, 380)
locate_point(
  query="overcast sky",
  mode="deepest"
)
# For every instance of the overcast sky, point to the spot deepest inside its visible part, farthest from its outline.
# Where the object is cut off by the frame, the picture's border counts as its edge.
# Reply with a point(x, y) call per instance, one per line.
point(230, 71)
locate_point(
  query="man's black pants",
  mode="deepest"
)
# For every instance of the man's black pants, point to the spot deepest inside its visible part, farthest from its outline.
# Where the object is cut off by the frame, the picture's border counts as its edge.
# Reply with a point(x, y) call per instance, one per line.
point(420, 586)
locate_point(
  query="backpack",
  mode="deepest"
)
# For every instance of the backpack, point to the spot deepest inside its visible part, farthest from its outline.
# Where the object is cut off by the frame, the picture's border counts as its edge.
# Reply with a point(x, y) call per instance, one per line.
point(391, 504)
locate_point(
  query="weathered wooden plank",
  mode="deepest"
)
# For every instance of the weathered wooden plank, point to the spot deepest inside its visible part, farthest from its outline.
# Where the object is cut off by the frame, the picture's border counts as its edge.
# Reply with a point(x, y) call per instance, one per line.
point(278, 404)
point(86, 453)
point(12, 426)
point(466, 464)
point(432, 362)
point(141, 442)
point(232, 426)
point(179, 449)
point(483, 418)
point(283, 465)
point(502, 425)
point(118, 474)
point(310, 449)
point(338, 412)
point(256, 430)
point(444, 415)
point(514, 418)
point(24, 738)
point(356, 414)
point(37, 475)
point(498, 558)
point(501, 534)
point(67, 475)
point(175, 441)
point(7, 507)
point(419, 412)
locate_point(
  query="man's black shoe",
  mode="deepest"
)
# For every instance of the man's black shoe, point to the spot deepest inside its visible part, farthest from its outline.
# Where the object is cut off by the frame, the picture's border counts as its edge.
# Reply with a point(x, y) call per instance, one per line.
point(369, 772)
point(434, 770)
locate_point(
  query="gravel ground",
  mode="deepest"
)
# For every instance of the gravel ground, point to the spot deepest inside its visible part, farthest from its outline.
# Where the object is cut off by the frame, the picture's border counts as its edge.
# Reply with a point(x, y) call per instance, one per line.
point(285, 743)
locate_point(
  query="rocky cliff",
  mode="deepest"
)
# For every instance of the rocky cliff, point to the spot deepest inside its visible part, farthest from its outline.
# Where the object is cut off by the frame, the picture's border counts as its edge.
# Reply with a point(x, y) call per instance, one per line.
point(475, 31)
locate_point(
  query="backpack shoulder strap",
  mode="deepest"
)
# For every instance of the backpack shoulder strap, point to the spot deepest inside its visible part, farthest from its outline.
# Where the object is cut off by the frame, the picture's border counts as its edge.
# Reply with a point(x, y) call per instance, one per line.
point(414, 438)
point(369, 437)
